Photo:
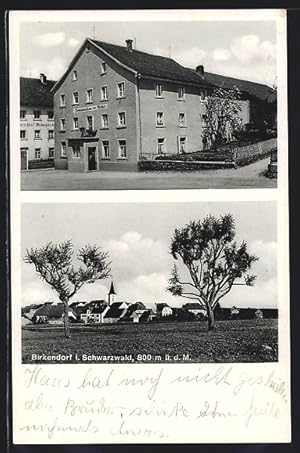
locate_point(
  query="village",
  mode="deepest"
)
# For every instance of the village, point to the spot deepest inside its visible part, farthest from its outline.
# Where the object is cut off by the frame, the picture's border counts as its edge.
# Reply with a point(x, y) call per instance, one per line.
point(113, 311)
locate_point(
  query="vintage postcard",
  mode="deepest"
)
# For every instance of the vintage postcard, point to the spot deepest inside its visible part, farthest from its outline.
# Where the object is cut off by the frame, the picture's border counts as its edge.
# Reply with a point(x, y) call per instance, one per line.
point(149, 200)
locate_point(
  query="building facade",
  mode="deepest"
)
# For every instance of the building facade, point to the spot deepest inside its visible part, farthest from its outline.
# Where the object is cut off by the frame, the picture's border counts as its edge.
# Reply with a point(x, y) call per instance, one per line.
point(115, 105)
point(36, 120)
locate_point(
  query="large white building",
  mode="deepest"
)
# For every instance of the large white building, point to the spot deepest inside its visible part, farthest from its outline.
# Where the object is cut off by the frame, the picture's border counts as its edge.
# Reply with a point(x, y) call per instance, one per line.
point(36, 121)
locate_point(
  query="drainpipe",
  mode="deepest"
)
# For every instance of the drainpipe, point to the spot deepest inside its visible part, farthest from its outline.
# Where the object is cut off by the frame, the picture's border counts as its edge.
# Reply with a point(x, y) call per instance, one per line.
point(138, 116)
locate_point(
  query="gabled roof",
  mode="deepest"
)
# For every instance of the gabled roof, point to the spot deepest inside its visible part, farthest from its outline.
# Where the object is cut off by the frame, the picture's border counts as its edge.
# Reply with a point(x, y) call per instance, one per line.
point(252, 89)
point(148, 64)
point(115, 310)
point(193, 306)
point(52, 311)
point(34, 93)
point(99, 309)
point(160, 306)
point(144, 64)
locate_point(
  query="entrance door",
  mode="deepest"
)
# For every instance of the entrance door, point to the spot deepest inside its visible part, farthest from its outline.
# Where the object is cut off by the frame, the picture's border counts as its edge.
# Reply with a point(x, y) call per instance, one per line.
point(92, 163)
point(24, 158)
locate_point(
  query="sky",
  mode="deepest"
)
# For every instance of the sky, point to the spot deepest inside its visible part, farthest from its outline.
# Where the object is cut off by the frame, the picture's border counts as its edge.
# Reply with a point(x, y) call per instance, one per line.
point(137, 237)
point(243, 49)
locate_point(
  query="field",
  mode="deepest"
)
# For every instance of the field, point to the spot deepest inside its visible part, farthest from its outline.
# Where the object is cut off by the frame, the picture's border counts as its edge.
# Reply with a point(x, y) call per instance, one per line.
point(232, 341)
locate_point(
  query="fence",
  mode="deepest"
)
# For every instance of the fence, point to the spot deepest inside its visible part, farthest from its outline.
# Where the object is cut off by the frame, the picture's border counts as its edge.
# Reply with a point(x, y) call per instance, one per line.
point(40, 163)
point(232, 156)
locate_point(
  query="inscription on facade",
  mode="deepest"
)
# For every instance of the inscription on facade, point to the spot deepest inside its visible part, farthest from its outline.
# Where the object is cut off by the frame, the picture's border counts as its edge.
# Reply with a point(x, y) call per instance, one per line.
point(90, 108)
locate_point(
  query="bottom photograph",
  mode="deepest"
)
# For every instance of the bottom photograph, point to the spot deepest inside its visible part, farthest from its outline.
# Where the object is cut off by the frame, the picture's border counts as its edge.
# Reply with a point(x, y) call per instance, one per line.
point(169, 282)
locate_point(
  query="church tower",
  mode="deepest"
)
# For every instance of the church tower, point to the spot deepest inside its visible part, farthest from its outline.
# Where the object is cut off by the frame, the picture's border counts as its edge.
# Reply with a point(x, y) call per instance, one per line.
point(111, 294)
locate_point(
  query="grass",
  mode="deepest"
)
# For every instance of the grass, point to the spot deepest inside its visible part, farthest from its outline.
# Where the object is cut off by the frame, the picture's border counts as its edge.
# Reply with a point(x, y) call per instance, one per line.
point(232, 341)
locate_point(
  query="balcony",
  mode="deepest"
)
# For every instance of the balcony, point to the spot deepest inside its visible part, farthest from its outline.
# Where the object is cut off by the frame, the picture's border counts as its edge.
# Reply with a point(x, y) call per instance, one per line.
point(88, 132)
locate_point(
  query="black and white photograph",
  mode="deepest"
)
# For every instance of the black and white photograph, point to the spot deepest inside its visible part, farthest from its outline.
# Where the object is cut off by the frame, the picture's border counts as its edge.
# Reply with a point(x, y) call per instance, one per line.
point(148, 105)
point(145, 309)
point(102, 283)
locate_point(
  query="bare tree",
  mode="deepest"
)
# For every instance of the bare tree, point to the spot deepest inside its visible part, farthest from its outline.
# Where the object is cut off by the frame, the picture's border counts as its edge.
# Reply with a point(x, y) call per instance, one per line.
point(54, 265)
point(213, 260)
point(222, 116)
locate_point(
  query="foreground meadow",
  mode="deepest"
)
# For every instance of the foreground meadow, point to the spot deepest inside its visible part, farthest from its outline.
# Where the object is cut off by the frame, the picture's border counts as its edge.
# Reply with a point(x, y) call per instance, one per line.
point(233, 341)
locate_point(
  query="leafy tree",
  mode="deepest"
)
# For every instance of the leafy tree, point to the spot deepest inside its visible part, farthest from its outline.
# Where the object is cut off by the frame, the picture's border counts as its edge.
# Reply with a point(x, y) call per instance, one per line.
point(222, 120)
point(213, 260)
point(53, 264)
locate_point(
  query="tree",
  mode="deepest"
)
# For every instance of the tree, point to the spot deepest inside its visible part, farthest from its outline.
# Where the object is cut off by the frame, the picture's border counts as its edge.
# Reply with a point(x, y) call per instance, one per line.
point(213, 260)
point(53, 264)
point(222, 120)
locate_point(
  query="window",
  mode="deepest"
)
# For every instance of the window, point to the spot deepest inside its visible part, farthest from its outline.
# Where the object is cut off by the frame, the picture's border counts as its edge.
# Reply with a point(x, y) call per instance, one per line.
point(37, 153)
point(181, 93)
point(121, 90)
point(103, 68)
point(181, 119)
point(75, 97)
point(37, 134)
point(105, 149)
point(105, 120)
point(22, 114)
point(62, 124)
point(23, 134)
point(159, 119)
point(203, 95)
point(62, 100)
point(122, 149)
point(76, 150)
point(121, 119)
point(158, 90)
point(50, 134)
point(51, 153)
point(50, 115)
point(63, 149)
point(161, 145)
point(36, 114)
point(90, 122)
point(104, 93)
point(75, 123)
point(182, 144)
point(75, 75)
point(89, 95)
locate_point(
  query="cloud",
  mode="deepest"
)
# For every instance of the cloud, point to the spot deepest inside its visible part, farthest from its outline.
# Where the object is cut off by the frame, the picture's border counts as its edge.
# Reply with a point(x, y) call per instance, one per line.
point(73, 42)
point(249, 47)
point(49, 39)
point(189, 57)
point(221, 54)
point(134, 255)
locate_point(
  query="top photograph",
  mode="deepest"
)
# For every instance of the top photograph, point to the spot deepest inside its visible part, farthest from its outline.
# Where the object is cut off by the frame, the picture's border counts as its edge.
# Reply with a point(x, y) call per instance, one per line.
point(133, 105)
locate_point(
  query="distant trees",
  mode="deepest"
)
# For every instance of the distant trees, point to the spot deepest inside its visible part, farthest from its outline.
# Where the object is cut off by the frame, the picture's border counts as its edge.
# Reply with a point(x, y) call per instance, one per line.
point(222, 120)
point(215, 263)
point(54, 265)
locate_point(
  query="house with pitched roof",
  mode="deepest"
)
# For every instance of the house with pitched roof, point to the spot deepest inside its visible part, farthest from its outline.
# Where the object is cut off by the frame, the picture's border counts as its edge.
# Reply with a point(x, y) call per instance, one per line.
point(94, 311)
point(163, 310)
point(36, 120)
point(53, 314)
point(115, 312)
point(116, 105)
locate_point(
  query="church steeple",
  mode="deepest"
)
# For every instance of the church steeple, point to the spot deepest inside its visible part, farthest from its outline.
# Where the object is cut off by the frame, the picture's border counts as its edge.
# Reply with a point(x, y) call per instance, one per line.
point(111, 294)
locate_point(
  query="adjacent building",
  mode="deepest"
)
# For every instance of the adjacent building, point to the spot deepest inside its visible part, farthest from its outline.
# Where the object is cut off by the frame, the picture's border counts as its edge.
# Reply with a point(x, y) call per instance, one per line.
point(115, 105)
point(36, 120)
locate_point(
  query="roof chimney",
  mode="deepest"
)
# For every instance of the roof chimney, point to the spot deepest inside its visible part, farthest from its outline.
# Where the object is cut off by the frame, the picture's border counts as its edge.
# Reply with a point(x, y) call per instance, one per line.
point(43, 79)
point(200, 70)
point(129, 44)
